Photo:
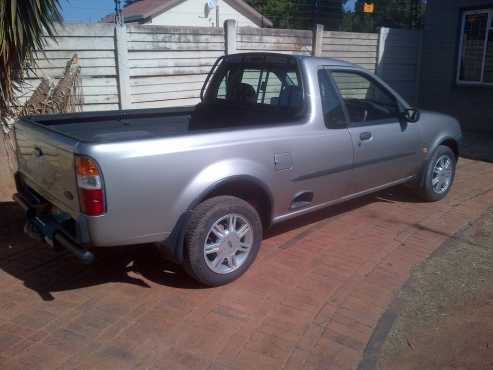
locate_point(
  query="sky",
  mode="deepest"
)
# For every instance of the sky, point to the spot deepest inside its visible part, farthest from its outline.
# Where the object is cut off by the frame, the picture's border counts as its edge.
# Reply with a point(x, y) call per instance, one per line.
point(94, 10)
point(350, 5)
point(86, 10)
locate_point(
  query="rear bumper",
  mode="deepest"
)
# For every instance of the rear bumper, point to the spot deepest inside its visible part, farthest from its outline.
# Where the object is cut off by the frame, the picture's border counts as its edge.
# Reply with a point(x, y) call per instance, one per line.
point(41, 225)
point(109, 230)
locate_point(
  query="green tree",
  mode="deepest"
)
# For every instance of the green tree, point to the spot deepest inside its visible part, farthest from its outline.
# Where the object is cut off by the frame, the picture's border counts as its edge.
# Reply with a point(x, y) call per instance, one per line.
point(22, 26)
point(387, 13)
point(326, 12)
point(280, 12)
point(301, 14)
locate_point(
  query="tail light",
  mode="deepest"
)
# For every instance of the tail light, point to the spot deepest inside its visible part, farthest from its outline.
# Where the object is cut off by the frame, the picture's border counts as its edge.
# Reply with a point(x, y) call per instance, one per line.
point(90, 184)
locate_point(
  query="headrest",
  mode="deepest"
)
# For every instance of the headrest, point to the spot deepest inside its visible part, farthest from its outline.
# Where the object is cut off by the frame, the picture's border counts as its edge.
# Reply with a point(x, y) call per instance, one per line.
point(291, 96)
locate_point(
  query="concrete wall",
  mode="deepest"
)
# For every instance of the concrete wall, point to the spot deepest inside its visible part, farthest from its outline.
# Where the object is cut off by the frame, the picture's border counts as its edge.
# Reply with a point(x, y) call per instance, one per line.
point(168, 65)
point(143, 66)
point(274, 40)
point(357, 48)
point(438, 89)
point(193, 13)
point(95, 45)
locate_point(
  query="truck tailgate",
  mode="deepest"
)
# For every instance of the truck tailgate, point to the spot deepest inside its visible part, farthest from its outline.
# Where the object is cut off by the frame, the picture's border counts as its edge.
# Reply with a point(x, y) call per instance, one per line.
point(46, 164)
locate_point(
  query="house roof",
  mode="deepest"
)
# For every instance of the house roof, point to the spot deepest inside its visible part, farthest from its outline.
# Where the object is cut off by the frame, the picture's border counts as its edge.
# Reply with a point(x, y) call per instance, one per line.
point(146, 9)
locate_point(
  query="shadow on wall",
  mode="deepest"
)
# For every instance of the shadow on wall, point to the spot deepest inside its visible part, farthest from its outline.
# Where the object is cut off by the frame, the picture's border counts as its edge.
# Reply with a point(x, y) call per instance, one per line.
point(398, 54)
point(400, 65)
point(439, 90)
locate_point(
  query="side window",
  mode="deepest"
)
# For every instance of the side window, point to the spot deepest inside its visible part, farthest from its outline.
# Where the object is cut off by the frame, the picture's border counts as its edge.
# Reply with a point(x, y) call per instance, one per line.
point(252, 78)
point(366, 101)
point(266, 87)
point(292, 79)
point(271, 89)
point(331, 104)
point(222, 90)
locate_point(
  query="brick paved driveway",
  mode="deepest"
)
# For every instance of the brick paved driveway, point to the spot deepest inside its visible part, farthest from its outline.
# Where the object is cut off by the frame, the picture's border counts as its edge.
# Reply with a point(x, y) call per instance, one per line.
point(310, 301)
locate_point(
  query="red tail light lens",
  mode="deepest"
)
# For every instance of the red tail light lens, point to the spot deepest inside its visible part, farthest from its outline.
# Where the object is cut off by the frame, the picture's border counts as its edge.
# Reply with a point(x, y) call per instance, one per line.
point(91, 202)
point(90, 184)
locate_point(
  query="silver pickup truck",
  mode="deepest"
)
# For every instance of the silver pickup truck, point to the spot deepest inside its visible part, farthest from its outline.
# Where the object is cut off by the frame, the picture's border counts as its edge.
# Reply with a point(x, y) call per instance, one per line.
point(274, 137)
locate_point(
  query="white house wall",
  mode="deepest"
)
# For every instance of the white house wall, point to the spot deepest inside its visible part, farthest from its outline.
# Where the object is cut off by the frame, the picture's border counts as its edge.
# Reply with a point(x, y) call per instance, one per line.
point(192, 13)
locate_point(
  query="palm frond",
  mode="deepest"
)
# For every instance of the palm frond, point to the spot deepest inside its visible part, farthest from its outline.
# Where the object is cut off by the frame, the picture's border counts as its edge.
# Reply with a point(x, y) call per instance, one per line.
point(25, 26)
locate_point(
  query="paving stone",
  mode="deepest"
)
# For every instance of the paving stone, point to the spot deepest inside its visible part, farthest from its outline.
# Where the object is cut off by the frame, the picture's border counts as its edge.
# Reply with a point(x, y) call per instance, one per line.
point(310, 301)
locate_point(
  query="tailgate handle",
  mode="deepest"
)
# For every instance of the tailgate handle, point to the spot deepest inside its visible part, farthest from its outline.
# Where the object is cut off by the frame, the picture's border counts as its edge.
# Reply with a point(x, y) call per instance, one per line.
point(37, 152)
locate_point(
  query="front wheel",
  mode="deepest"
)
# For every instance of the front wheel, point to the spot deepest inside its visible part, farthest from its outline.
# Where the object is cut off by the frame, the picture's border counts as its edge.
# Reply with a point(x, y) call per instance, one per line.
point(438, 175)
point(221, 240)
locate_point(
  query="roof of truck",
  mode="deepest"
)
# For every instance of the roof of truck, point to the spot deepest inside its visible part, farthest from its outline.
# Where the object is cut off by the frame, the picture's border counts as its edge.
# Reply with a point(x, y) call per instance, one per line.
point(330, 61)
point(326, 60)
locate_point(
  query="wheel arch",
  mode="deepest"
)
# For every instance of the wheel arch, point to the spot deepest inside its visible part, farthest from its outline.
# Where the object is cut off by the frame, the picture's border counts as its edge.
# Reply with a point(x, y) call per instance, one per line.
point(246, 187)
point(452, 143)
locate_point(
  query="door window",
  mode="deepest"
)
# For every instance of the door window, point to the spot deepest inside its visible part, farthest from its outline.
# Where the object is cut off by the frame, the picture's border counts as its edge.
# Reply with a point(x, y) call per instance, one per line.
point(366, 100)
point(331, 103)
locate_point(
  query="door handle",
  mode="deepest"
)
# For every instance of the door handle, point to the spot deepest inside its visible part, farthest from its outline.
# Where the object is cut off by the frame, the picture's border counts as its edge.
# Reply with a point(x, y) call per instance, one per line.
point(365, 136)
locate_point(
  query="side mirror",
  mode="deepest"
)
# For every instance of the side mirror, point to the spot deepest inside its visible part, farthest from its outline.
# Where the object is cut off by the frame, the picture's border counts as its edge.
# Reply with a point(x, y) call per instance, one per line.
point(410, 114)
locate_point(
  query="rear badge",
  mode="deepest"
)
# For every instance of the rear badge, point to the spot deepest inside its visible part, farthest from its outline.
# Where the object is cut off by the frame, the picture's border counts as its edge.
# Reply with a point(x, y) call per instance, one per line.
point(68, 195)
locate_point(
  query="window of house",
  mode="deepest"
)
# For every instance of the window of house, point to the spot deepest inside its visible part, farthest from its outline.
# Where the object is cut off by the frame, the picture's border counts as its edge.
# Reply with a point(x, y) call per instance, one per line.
point(476, 48)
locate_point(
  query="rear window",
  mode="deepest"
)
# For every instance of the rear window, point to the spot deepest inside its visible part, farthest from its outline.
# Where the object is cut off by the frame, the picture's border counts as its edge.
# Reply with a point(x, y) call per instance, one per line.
point(259, 87)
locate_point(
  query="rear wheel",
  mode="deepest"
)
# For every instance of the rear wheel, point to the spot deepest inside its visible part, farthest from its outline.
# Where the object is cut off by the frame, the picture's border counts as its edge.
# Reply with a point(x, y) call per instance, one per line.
point(438, 175)
point(221, 240)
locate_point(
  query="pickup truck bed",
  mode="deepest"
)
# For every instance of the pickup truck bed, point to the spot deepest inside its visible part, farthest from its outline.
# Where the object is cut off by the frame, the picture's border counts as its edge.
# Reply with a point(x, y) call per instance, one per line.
point(107, 127)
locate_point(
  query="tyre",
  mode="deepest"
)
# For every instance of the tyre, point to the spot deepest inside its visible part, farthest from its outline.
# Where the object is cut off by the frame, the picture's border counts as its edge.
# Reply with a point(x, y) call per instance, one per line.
point(438, 175)
point(222, 239)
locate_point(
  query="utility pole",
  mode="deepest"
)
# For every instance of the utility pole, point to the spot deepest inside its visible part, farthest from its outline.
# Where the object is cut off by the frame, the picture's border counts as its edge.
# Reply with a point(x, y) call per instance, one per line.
point(118, 13)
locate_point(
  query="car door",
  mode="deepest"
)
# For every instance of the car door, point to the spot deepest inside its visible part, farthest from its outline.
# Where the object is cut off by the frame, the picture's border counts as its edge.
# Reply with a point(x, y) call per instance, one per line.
point(331, 166)
point(322, 155)
point(386, 147)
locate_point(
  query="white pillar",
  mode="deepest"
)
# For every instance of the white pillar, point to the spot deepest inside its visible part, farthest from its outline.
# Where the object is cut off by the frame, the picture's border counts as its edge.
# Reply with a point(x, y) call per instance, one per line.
point(229, 36)
point(317, 43)
point(122, 71)
point(382, 39)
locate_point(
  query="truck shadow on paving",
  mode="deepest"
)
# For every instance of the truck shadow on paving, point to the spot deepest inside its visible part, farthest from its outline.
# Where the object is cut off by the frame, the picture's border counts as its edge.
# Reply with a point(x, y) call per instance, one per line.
point(45, 271)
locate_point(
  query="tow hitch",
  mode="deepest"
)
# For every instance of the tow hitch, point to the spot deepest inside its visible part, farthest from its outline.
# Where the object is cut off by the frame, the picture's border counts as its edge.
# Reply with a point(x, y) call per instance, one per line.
point(44, 229)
